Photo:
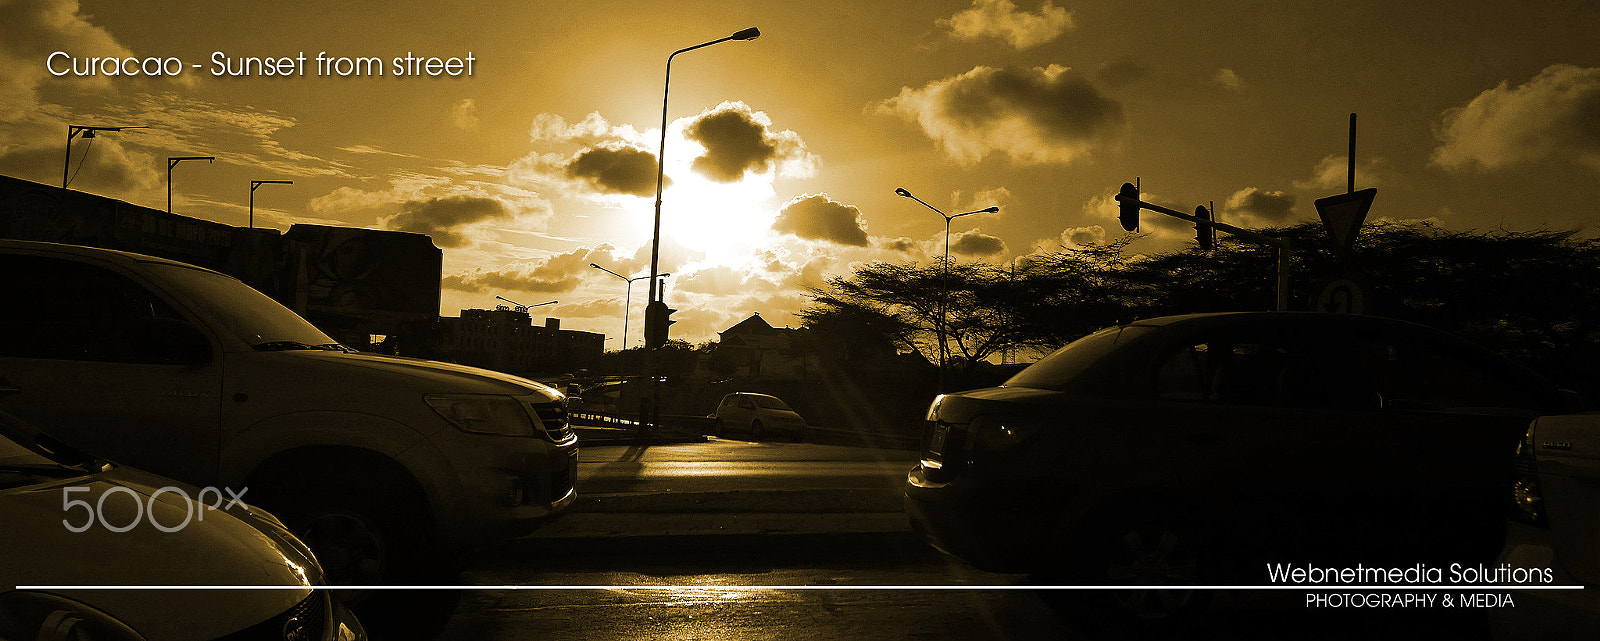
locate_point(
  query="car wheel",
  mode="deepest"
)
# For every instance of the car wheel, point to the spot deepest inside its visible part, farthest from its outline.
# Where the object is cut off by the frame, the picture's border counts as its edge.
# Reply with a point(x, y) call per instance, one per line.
point(755, 430)
point(719, 429)
point(800, 435)
point(1152, 552)
point(1148, 547)
point(363, 536)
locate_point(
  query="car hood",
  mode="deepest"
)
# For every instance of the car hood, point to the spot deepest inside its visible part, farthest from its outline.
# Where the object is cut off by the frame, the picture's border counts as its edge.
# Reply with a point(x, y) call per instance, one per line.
point(432, 376)
point(227, 547)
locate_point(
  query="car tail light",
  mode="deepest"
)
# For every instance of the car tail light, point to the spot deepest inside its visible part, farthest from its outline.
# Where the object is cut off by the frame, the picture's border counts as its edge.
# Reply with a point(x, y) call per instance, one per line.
point(1526, 499)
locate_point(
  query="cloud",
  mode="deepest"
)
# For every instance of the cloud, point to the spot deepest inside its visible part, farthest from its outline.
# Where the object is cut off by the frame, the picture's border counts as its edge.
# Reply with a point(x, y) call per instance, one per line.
point(593, 128)
point(976, 243)
point(1554, 115)
point(822, 218)
point(364, 150)
point(35, 29)
point(556, 274)
point(464, 114)
point(1332, 172)
point(738, 140)
point(1082, 236)
point(1039, 115)
point(99, 165)
point(902, 244)
point(1261, 206)
point(721, 281)
point(979, 199)
point(439, 217)
point(615, 168)
point(1001, 19)
point(1227, 79)
point(244, 136)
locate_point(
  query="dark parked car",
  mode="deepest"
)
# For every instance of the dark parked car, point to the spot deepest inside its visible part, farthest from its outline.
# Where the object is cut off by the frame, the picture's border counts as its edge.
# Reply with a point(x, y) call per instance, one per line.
point(1198, 449)
point(1556, 523)
point(71, 519)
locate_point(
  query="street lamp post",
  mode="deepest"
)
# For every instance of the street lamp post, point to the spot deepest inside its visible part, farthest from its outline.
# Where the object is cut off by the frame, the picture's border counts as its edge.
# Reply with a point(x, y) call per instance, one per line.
point(944, 296)
point(527, 307)
point(627, 302)
point(253, 185)
point(661, 168)
point(88, 132)
point(172, 161)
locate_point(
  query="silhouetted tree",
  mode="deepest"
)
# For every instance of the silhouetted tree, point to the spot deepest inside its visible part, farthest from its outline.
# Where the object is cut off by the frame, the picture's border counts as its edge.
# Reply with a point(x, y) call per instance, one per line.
point(1534, 296)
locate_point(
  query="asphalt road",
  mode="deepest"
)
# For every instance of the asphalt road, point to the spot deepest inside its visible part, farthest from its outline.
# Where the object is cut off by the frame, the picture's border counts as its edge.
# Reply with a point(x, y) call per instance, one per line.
point(731, 540)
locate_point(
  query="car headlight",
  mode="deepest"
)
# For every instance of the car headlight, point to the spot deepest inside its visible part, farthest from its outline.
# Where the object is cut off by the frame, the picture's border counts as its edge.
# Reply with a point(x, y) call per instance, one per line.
point(482, 413)
point(48, 617)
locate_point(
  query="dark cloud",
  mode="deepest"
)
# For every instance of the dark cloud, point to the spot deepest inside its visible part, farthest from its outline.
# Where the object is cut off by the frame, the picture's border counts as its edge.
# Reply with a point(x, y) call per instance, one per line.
point(1262, 205)
point(1122, 71)
point(735, 143)
point(1040, 115)
point(439, 217)
point(902, 244)
point(821, 218)
point(976, 243)
point(615, 169)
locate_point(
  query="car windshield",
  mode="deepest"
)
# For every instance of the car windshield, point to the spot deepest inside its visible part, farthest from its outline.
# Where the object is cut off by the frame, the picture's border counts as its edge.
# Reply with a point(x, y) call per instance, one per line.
point(249, 314)
point(768, 402)
point(24, 460)
point(1053, 372)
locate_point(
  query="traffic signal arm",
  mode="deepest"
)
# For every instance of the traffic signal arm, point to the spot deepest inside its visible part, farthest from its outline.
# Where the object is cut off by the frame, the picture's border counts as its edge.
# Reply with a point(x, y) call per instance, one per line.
point(1236, 231)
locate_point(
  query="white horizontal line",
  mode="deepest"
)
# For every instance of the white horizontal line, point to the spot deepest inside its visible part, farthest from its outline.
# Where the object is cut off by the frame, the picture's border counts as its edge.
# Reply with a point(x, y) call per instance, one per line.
point(1304, 588)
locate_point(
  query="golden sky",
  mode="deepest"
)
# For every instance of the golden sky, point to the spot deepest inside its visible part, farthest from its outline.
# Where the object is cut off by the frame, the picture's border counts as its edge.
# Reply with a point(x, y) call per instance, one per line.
point(783, 153)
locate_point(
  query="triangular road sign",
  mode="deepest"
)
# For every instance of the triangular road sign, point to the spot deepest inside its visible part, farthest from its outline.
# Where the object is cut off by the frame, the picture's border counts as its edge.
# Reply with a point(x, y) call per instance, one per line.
point(1343, 214)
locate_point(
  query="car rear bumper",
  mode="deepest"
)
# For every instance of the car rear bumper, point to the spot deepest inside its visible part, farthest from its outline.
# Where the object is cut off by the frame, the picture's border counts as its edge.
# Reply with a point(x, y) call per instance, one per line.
point(1542, 614)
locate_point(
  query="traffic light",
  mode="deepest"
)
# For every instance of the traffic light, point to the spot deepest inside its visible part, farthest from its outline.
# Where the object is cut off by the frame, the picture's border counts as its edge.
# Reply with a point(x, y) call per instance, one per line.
point(657, 316)
point(1204, 233)
point(1129, 203)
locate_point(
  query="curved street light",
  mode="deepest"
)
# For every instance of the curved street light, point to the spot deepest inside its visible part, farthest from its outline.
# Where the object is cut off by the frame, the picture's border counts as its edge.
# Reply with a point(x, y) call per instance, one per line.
point(88, 132)
point(257, 183)
point(628, 301)
point(172, 161)
point(944, 297)
point(655, 237)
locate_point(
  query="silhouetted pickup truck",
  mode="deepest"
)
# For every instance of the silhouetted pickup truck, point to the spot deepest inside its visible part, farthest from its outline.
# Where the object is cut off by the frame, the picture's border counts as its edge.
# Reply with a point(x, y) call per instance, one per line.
point(387, 467)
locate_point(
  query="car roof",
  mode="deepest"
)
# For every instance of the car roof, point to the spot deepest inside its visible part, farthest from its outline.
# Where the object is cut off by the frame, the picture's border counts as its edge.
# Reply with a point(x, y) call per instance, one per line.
point(110, 255)
point(1223, 318)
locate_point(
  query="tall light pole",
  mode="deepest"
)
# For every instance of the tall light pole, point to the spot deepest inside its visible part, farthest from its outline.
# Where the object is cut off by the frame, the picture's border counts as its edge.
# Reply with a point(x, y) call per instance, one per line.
point(627, 304)
point(172, 161)
point(661, 171)
point(944, 297)
point(661, 153)
point(257, 183)
point(88, 132)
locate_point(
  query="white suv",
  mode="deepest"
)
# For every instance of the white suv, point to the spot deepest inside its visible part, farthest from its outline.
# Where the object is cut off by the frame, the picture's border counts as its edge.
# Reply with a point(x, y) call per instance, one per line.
point(388, 467)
